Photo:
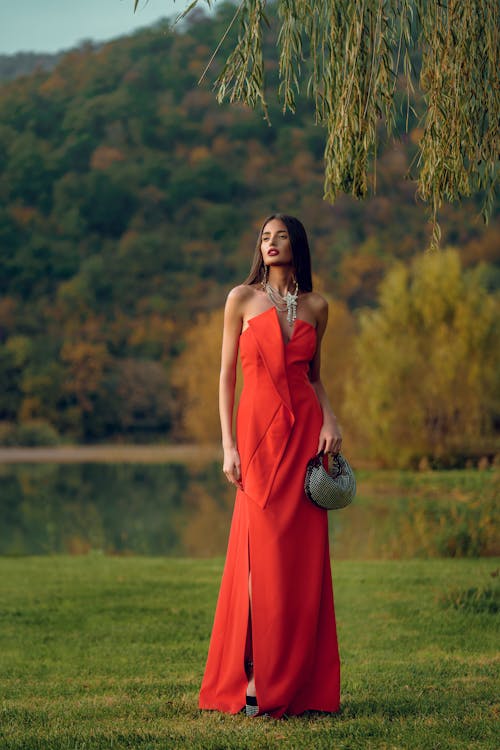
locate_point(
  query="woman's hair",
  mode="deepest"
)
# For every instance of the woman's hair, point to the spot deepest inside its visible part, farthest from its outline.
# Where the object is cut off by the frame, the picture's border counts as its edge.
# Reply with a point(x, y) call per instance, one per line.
point(300, 253)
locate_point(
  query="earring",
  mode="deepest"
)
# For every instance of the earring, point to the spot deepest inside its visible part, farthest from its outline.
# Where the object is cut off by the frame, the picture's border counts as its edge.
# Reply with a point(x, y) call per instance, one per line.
point(266, 276)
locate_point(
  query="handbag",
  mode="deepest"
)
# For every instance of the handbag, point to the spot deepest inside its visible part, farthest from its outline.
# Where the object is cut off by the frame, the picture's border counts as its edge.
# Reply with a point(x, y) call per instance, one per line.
point(330, 489)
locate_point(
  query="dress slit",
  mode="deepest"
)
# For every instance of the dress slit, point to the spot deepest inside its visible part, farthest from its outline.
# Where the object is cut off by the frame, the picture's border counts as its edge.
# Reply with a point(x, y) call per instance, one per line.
point(249, 640)
point(248, 655)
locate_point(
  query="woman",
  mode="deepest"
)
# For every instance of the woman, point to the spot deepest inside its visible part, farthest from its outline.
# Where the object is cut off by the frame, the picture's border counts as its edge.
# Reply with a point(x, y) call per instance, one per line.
point(274, 644)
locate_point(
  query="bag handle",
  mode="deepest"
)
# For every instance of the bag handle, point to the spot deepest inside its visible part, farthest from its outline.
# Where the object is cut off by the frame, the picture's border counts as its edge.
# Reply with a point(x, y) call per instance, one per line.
point(337, 461)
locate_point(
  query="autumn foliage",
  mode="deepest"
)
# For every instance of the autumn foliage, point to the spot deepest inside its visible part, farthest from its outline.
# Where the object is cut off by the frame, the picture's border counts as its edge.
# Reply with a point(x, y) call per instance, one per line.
point(129, 206)
point(425, 379)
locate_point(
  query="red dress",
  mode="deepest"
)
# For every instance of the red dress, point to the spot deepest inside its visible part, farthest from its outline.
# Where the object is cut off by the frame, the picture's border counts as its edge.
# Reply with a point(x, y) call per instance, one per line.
point(280, 536)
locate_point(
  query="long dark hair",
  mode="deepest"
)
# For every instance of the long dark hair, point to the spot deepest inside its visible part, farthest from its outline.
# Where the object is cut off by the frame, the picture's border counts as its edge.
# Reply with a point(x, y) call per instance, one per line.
point(301, 254)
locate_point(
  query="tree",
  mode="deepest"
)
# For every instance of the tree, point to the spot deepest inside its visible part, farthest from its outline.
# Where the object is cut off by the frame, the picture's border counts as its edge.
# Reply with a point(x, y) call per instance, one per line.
point(427, 372)
point(86, 364)
point(196, 377)
point(136, 397)
point(337, 353)
point(352, 54)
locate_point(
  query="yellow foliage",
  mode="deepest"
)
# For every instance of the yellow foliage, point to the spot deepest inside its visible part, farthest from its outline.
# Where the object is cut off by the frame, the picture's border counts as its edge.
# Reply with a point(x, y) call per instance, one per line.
point(31, 407)
point(427, 363)
point(198, 154)
point(19, 347)
point(336, 362)
point(153, 329)
point(360, 274)
point(196, 376)
point(54, 84)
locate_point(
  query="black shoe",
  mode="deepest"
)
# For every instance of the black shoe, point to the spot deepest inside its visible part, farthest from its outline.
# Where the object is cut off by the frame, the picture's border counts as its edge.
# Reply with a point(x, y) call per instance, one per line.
point(251, 707)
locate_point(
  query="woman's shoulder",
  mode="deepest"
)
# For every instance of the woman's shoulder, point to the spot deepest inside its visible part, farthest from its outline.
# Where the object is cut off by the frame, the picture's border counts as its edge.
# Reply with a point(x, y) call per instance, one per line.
point(317, 307)
point(242, 293)
point(316, 302)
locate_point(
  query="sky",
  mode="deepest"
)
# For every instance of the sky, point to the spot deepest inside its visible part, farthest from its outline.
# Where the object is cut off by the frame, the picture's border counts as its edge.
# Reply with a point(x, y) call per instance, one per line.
point(53, 25)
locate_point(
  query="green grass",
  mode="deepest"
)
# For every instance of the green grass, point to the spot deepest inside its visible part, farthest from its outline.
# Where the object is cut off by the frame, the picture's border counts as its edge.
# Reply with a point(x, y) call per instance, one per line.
point(106, 652)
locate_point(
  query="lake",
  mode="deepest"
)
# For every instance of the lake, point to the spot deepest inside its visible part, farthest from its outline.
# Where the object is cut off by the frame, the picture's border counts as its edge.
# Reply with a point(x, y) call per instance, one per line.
point(180, 509)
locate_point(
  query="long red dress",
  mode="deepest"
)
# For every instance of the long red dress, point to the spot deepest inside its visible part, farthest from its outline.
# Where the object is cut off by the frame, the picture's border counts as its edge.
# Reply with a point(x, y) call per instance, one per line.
point(280, 536)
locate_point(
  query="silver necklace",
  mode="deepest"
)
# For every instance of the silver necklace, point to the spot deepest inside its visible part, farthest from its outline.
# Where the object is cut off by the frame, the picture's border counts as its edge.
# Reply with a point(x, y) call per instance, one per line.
point(286, 302)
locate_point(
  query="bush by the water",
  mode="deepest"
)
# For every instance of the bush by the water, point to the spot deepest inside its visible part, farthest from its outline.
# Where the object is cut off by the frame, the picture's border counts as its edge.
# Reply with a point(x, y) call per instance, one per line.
point(463, 528)
point(31, 434)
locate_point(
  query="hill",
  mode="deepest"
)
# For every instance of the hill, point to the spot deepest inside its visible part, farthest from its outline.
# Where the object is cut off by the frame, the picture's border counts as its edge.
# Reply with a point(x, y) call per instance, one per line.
point(130, 203)
point(25, 63)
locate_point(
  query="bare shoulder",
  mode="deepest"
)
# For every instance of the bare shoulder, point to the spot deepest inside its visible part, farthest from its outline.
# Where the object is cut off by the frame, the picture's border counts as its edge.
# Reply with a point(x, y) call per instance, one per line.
point(317, 305)
point(239, 295)
point(242, 291)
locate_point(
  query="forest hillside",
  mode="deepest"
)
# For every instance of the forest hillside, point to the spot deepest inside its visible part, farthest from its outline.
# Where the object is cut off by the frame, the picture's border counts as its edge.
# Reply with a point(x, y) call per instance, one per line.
point(129, 205)
point(25, 63)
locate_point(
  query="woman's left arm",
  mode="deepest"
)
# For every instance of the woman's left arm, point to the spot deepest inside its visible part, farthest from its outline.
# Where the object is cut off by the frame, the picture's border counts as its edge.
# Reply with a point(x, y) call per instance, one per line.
point(330, 436)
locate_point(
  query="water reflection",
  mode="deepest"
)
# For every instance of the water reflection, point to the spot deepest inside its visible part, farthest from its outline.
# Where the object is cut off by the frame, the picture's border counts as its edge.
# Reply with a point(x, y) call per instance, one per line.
point(166, 509)
point(144, 509)
point(185, 510)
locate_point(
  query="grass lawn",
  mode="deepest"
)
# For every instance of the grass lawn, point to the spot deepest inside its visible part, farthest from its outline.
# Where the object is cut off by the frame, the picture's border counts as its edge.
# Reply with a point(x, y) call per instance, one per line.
point(108, 652)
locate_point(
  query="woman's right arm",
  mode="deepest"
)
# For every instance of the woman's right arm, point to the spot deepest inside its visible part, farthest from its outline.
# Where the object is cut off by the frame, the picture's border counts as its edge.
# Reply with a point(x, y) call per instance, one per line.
point(233, 321)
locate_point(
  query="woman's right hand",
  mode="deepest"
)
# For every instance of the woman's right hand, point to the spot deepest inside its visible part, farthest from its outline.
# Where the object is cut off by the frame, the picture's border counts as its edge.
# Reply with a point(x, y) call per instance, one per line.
point(232, 466)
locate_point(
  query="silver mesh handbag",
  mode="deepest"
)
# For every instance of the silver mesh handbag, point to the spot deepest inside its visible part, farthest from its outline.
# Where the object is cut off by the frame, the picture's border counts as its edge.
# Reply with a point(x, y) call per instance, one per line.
point(332, 489)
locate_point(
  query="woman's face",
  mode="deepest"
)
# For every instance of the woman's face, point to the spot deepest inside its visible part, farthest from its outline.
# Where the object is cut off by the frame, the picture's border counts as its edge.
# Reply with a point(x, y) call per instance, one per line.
point(275, 244)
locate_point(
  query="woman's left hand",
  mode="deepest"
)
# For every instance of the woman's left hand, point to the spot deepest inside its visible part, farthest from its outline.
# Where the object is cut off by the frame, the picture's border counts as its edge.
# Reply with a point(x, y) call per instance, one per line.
point(330, 437)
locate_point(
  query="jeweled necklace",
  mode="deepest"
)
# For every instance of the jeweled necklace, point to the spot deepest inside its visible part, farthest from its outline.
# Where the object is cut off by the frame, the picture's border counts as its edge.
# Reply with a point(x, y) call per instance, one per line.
point(286, 302)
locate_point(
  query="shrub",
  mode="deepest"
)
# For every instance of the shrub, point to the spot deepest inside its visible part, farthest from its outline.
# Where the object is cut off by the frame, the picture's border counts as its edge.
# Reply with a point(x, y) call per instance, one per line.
point(7, 434)
point(34, 433)
point(466, 528)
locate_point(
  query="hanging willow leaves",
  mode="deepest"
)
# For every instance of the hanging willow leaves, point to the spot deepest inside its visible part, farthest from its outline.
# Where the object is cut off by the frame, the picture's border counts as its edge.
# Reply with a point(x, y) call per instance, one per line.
point(349, 56)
